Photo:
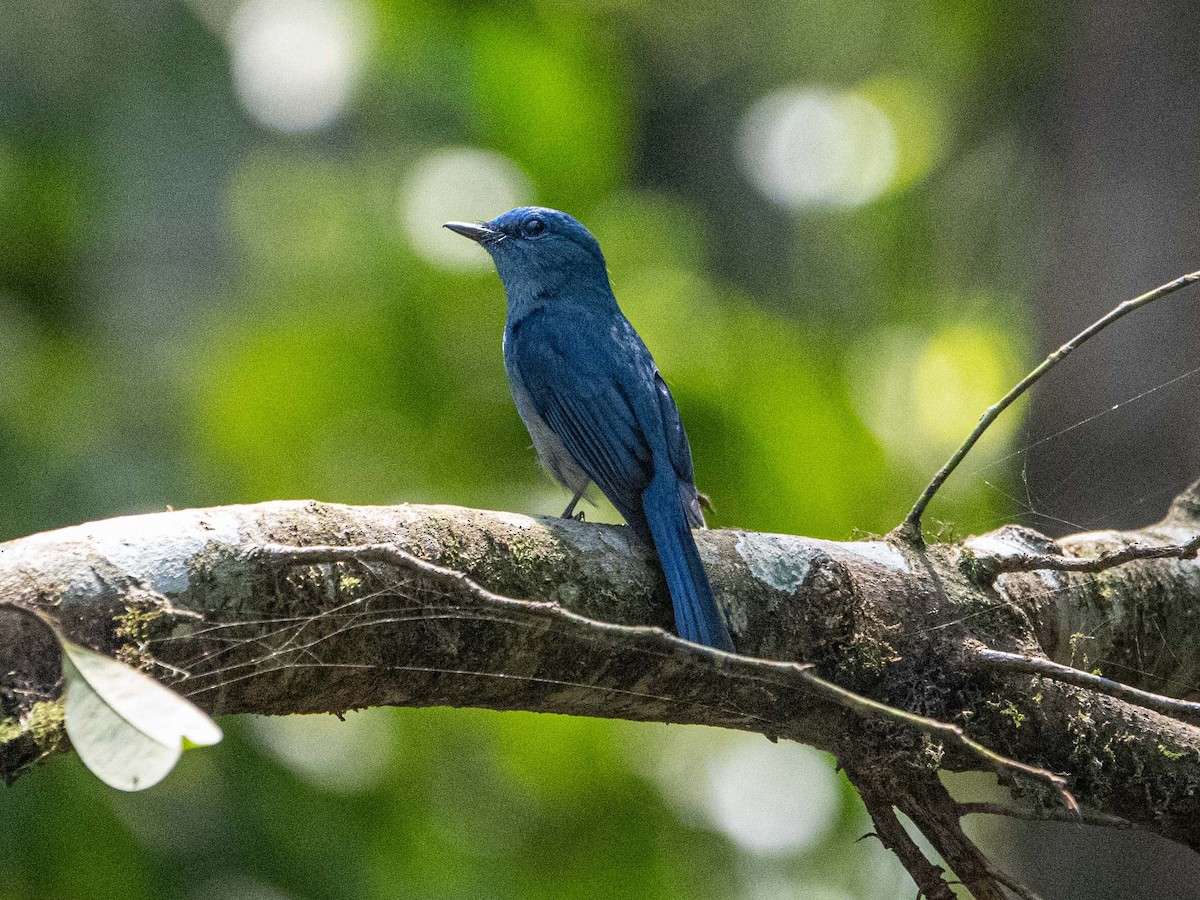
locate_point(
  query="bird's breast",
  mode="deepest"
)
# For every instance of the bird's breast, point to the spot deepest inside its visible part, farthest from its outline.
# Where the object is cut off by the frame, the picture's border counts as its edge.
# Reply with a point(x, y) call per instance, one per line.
point(552, 453)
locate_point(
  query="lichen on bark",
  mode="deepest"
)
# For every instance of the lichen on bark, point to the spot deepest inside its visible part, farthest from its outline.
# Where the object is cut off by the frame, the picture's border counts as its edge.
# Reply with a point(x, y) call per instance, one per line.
point(196, 592)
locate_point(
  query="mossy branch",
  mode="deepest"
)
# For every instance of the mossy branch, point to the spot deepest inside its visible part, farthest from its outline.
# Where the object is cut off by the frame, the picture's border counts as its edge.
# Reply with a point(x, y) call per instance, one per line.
point(291, 607)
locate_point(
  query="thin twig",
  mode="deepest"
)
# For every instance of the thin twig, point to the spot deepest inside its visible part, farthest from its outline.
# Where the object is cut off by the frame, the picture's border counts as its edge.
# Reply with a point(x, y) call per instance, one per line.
point(1013, 885)
point(839, 696)
point(945, 730)
point(892, 834)
point(929, 806)
point(321, 554)
point(910, 528)
point(986, 658)
point(1085, 817)
point(1031, 562)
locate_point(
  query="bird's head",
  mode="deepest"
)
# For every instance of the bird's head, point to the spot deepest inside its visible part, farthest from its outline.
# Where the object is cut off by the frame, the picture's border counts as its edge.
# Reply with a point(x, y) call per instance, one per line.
point(539, 253)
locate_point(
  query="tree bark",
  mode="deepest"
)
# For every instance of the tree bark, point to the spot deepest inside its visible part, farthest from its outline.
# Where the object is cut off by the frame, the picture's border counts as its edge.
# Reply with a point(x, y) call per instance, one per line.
point(291, 607)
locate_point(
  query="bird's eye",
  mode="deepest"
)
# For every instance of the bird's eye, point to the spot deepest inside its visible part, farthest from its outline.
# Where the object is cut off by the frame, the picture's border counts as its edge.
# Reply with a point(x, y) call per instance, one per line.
point(534, 227)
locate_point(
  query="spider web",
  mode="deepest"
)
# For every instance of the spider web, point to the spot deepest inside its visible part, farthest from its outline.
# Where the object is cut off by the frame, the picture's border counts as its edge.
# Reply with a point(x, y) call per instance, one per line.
point(1084, 443)
point(251, 648)
point(1133, 492)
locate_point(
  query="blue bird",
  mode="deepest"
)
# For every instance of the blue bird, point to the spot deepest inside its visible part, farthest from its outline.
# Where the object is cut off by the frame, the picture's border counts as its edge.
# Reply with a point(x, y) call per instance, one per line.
point(593, 400)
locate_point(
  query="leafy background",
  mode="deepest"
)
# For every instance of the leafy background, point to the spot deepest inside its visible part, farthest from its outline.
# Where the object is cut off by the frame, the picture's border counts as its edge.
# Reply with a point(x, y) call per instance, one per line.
point(843, 227)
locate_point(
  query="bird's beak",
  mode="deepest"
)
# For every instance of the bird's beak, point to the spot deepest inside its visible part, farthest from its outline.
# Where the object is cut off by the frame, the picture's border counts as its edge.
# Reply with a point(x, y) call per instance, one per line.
point(479, 233)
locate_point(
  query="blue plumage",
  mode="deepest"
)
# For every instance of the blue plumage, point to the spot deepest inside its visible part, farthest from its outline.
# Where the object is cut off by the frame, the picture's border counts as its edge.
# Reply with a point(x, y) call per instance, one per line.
point(593, 400)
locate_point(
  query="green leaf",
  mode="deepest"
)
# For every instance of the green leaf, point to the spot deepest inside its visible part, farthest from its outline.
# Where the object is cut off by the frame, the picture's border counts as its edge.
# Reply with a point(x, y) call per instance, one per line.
point(128, 729)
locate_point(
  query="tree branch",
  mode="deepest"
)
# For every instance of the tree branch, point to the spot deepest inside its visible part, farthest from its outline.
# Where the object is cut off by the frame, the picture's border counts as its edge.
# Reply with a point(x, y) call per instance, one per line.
point(892, 835)
point(304, 607)
point(788, 672)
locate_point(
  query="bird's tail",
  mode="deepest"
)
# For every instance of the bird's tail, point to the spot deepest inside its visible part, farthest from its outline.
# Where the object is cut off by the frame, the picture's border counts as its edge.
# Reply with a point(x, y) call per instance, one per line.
point(696, 615)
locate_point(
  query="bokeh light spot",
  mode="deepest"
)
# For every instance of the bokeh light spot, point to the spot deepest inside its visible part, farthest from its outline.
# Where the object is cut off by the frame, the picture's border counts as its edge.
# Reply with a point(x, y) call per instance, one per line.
point(237, 887)
point(769, 799)
point(343, 756)
point(922, 394)
point(918, 113)
point(457, 183)
point(772, 799)
point(804, 147)
point(296, 62)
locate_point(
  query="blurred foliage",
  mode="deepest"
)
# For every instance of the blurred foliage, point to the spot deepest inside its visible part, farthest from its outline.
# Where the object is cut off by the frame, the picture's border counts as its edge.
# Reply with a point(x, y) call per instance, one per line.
point(199, 306)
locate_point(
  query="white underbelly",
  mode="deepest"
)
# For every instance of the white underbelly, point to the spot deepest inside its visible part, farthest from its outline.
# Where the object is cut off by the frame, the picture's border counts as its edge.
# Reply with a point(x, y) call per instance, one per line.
point(552, 454)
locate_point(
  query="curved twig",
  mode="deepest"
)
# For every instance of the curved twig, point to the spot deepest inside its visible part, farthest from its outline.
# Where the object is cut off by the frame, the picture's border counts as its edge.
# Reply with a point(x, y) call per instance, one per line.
point(910, 528)
point(944, 730)
point(1085, 817)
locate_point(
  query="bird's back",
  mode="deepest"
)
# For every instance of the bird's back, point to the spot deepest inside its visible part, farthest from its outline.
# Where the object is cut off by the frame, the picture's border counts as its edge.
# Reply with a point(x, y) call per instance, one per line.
point(584, 375)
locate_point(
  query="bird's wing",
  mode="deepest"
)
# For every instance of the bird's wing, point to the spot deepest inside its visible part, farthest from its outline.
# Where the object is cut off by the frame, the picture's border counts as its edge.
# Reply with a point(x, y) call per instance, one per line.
point(679, 451)
point(580, 393)
point(677, 443)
